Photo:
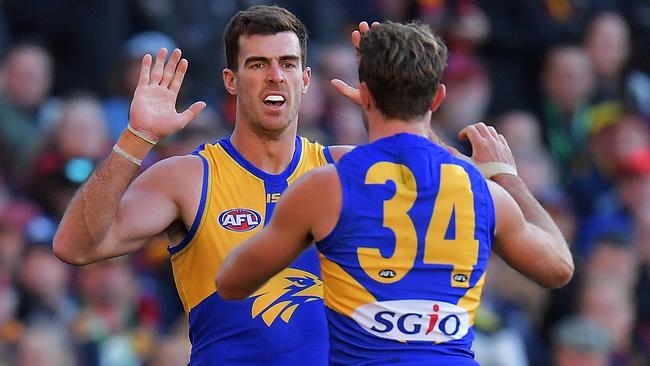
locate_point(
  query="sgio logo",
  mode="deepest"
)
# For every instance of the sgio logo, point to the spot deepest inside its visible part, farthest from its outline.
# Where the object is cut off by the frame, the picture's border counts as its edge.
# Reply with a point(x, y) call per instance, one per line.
point(240, 219)
point(413, 320)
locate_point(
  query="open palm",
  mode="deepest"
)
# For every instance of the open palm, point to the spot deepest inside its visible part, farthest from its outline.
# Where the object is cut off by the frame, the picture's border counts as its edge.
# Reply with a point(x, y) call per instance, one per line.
point(153, 108)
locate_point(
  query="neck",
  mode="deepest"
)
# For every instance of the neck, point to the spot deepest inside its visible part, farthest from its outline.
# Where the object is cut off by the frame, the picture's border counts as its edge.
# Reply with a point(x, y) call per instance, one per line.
point(380, 127)
point(271, 155)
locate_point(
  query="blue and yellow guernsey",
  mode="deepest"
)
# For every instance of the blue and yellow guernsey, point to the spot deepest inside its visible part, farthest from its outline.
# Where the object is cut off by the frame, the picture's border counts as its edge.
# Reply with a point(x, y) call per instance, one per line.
point(404, 267)
point(284, 322)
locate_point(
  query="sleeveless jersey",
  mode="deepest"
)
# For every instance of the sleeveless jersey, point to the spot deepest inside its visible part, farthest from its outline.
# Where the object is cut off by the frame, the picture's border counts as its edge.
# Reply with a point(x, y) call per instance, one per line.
point(404, 267)
point(284, 322)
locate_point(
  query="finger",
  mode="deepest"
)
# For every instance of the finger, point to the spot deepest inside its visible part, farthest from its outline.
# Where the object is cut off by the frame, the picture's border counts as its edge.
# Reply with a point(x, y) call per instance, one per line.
point(374, 24)
point(483, 129)
point(157, 72)
point(145, 69)
point(179, 75)
point(170, 68)
point(356, 40)
point(493, 132)
point(503, 140)
point(364, 27)
point(470, 132)
point(192, 112)
point(347, 91)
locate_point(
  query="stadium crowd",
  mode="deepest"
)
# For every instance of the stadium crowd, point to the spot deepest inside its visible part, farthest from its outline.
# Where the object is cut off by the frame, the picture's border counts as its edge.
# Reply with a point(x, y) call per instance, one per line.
point(567, 82)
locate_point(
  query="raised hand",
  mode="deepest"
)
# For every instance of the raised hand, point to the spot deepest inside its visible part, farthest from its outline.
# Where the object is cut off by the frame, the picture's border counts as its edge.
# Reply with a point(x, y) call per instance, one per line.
point(488, 146)
point(343, 88)
point(153, 108)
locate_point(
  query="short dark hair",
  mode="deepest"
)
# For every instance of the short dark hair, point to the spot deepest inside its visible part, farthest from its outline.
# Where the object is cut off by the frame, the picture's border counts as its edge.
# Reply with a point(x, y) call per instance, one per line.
point(262, 20)
point(402, 64)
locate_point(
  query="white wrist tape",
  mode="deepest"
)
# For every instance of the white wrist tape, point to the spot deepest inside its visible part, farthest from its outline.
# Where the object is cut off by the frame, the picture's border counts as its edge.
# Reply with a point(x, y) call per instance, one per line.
point(140, 135)
point(126, 155)
point(489, 169)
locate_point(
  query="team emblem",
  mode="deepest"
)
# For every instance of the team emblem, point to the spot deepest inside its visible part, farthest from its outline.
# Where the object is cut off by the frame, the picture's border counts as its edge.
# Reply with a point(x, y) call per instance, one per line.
point(284, 293)
point(240, 219)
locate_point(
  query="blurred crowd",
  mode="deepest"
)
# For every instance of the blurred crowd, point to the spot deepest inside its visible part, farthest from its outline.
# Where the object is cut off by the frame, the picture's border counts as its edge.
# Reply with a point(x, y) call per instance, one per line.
point(566, 81)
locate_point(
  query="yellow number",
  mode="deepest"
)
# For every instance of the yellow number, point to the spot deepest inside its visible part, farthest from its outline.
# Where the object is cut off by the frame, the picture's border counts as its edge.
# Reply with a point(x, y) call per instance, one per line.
point(395, 219)
point(454, 196)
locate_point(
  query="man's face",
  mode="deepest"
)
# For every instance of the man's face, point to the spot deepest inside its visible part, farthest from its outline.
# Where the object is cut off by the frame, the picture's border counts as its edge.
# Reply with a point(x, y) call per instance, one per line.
point(269, 82)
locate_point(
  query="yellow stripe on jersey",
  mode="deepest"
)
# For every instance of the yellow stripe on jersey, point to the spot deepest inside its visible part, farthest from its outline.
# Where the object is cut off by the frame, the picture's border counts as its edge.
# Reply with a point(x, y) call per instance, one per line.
point(342, 292)
point(472, 299)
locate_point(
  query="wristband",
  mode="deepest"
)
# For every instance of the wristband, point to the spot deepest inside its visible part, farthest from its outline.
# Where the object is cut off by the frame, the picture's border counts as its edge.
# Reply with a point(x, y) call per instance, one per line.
point(126, 155)
point(133, 145)
point(140, 134)
point(491, 168)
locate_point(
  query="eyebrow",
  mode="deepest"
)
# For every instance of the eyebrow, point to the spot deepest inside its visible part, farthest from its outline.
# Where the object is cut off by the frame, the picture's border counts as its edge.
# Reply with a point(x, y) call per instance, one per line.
point(267, 60)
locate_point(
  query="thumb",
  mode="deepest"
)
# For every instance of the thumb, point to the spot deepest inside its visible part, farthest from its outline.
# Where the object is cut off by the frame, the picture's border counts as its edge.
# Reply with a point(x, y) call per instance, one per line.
point(192, 112)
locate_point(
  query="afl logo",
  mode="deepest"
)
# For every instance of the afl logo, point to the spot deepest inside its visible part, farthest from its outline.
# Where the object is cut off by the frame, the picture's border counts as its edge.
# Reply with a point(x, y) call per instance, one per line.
point(239, 219)
point(387, 273)
point(459, 277)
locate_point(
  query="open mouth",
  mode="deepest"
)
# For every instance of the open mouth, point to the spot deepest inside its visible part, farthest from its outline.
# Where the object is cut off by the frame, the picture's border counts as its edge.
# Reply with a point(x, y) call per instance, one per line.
point(274, 101)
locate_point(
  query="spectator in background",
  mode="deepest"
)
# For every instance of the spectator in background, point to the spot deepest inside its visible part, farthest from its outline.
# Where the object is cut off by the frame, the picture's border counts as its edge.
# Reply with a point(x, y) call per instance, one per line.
point(116, 105)
point(580, 342)
point(342, 120)
point(27, 81)
point(78, 142)
point(568, 87)
point(642, 287)
point(43, 288)
point(468, 95)
point(607, 42)
point(26, 109)
point(521, 129)
point(608, 303)
point(44, 346)
point(612, 210)
point(109, 330)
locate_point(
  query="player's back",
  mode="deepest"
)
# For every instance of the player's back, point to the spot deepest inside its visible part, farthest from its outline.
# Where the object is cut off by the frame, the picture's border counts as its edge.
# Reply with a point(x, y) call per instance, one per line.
point(281, 324)
point(404, 267)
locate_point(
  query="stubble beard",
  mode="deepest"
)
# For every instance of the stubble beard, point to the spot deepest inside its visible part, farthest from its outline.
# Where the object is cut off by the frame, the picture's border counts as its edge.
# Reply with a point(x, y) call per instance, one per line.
point(270, 131)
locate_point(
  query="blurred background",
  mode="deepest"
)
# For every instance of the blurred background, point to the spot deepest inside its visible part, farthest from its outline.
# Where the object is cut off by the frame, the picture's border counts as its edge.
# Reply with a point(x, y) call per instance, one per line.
point(566, 81)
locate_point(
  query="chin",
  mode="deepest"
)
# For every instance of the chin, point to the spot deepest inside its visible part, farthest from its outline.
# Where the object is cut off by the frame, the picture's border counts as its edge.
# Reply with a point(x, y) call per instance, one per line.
point(272, 129)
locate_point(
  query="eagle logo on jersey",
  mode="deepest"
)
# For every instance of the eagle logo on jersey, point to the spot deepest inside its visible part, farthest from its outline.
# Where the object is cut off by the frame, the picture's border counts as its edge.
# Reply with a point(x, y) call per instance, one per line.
point(240, 219)
point(284, 293)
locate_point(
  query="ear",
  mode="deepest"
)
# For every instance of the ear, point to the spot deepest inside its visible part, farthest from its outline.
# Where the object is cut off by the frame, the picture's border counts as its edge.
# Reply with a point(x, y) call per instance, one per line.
point(306, 78)
point(441, 93)
point(229, 81)
point(366, 98)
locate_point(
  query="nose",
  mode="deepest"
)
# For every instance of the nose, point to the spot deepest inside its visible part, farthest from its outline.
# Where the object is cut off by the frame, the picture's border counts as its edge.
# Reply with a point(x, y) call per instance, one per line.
point(275, 74)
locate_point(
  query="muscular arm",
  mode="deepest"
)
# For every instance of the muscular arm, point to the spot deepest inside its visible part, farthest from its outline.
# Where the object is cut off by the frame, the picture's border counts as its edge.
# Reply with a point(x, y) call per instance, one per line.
point(109, 215)
point(526, 236)
point(294, 225)
point(112, 214)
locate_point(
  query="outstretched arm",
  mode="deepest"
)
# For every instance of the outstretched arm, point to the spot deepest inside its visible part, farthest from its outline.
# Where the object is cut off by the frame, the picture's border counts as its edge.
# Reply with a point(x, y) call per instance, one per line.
point(294, 225)
point(526, 236)
point(108, 215)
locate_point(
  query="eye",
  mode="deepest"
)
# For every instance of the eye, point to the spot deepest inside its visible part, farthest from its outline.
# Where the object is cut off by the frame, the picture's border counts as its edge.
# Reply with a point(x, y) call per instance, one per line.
point(299, 282)
point(289, 65)
point(257, 65)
